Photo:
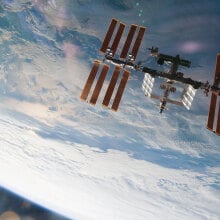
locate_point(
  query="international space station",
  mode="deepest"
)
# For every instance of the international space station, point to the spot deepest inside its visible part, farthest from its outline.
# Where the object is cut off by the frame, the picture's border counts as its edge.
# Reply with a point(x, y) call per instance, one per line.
point(125, 61)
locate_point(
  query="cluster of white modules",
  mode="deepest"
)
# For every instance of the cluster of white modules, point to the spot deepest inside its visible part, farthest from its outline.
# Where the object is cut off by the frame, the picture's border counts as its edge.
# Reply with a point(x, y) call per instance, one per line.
point(188, 96)
point(147, 85)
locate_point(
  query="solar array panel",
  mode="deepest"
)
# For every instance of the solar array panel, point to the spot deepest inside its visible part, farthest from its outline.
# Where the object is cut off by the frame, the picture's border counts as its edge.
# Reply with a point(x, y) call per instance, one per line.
point(111, 86)
point(138, 41)
point(90, 80)
point(99, 84)
point(120, 91)
point(213, 122)
point(98, 78)
point(128, 41)
point(218, 122)
point(115, 36)
point(108, 35)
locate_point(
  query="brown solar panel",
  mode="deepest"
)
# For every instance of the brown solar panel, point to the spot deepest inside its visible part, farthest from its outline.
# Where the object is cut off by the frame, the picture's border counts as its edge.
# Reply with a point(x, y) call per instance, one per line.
point(108, 35)
point(117, 38)
point(120, 91)
point(128, 41)
point(211, 115)
point(138, 41)
point(217, 68)
point(90, 80)
point(99, 84)
point(212, 108)
point(217, 74)
point(111, 86)
point(218, 122)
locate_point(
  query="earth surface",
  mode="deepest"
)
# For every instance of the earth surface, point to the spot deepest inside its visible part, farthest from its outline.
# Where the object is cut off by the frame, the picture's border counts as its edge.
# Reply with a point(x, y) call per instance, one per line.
point(87, 162)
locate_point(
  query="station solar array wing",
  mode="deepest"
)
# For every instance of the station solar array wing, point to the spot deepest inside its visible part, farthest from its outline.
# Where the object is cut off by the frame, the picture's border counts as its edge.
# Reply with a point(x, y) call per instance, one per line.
point(91, 79)
point(213, 122)
point(99, 77)
point(113, 37)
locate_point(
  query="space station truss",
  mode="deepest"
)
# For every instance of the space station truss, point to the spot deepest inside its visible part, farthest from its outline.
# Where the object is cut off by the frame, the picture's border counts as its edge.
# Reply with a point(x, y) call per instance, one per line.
point(213, 122)
point(188, 96)
point(147, 85)
point(119, 76)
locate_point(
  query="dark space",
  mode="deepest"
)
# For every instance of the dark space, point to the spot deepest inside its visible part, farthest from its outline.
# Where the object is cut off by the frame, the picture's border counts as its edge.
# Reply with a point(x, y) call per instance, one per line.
point(24, 208)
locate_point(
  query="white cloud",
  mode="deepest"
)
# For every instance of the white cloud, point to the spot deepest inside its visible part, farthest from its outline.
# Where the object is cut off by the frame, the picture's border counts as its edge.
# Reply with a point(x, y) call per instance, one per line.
point(96, 183)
